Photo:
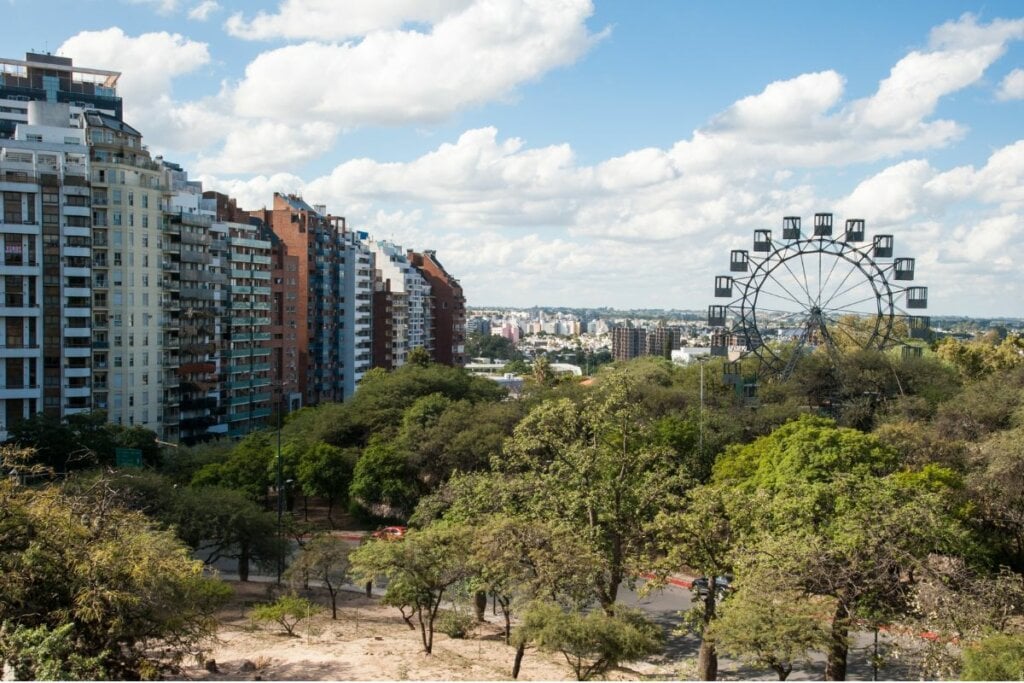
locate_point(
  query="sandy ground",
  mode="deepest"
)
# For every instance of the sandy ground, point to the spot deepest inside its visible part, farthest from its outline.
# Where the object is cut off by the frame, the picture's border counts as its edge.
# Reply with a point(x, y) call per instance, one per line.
point(371, 642)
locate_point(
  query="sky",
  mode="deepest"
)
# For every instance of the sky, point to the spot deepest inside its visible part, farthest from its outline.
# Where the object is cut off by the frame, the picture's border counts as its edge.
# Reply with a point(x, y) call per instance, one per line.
point(589, 153)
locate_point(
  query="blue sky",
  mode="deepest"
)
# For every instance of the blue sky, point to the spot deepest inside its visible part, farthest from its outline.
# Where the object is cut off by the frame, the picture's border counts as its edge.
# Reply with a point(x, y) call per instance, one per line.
point(559, 152)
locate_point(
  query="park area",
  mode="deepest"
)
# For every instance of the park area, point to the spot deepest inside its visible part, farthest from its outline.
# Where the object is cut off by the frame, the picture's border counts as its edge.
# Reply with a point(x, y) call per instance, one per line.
point(369, 641)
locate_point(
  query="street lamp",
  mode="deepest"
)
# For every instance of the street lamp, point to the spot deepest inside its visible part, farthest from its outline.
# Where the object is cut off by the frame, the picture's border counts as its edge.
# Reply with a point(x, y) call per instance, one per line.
point(701, 360)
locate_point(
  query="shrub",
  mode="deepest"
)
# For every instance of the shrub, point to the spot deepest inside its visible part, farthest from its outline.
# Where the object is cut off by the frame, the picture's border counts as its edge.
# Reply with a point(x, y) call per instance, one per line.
point(287, 610)
point(454, 624)
point(996, 658)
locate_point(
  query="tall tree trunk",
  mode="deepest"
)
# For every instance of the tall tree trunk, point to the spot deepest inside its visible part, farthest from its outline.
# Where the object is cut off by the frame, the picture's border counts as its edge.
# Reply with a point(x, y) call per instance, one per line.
point(243, 563)
point(508, 620)
point(305, 507)
point(782, 671)
point(520, 651)
point(707, 658)
point(334, 599)
point(369, 588)
point(480, 603)
point(330, 510)
point(835, 667)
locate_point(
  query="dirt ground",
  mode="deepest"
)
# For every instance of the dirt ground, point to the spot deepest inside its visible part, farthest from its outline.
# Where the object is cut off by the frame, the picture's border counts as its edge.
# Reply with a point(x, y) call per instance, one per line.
point(371, 642)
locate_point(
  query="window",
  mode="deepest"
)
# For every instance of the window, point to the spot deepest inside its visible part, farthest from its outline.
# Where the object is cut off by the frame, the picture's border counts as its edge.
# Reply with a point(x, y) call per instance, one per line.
point(145, 379)
point(145, 238)
point(117, 361)
point(145, 202)
point(145, 279)
point(131, 199)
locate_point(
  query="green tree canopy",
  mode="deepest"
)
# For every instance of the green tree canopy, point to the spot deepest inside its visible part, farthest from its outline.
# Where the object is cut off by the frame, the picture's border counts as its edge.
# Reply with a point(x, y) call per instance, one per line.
point(79, 574)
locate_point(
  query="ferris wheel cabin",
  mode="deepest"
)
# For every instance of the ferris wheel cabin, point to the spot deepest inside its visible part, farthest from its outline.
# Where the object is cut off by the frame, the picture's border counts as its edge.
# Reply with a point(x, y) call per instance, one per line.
point(917, 297)
point(791, 228)
point(763, 240)
point(822, 225)
point(739, 259)
point(903, 269)
point(855, 230)
point(723, 286)
point(882, 246)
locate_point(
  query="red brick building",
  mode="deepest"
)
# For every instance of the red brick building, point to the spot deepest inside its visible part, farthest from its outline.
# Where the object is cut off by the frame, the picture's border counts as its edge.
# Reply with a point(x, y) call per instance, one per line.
point(448, 308)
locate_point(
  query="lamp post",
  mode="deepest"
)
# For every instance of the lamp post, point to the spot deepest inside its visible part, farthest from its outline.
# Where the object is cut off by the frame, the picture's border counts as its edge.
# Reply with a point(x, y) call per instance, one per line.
point(700, 433)
point(280, 498)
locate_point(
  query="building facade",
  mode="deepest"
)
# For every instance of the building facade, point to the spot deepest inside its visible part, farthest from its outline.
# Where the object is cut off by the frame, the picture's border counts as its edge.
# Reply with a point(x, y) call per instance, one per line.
point(45, 358)
point(448, 309)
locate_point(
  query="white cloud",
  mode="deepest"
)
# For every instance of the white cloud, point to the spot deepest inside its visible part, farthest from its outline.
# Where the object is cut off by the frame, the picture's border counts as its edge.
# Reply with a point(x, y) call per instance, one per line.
point(203, 10)
point(398, 76)
point(1012, 87)
point(256, 192)
point(162, 6)
point(255, 147)
point(147, 62)
point(333, 20)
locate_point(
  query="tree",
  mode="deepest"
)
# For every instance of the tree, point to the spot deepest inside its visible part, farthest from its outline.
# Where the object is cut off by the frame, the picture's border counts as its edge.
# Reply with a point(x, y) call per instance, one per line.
point(287, 610)
point(419, 356)
point(827, 509)
point(765, 626)
point(594, 465)
point(592, 643)
point(382, 476)
point(129, 590)
point(700, 536)
point(246, 470)
point(221, 523)
point(326, 471)
point(425, 565)
point(324, 558)
point(1000, 657)
point(994, 485)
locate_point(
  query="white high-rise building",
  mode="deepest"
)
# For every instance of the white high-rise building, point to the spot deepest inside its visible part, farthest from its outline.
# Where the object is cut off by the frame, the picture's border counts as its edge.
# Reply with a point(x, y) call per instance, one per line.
point(46, 269)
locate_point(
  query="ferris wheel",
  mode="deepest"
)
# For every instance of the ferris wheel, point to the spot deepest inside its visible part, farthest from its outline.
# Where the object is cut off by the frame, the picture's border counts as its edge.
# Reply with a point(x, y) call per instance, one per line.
point(793, 294)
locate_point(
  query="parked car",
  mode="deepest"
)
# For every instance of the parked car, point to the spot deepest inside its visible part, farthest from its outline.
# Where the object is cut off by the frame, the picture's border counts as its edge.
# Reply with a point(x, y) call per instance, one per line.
point(390, 533)
point(723, 584)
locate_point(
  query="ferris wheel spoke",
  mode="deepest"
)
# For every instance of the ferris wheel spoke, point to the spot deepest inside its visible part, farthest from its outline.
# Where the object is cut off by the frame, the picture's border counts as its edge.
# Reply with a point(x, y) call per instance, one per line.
point(846, 306)
point(791, 297)
point(782, 313)
point(807, 287)
point(842, 283)
point(839, 294)
point(796, 279)
point(835, 263)
point(842, 328)
point(818, 300)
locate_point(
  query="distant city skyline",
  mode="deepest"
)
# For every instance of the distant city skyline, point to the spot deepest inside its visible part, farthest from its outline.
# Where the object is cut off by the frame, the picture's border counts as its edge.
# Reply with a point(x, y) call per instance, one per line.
point(604, 154)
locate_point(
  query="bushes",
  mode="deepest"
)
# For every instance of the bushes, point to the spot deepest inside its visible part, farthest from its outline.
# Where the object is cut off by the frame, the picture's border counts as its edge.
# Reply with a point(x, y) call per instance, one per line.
point(287, 610)
point(454, 624)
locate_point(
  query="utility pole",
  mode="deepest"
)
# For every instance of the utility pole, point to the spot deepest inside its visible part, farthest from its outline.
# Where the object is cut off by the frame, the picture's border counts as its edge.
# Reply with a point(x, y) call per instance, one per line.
point(280, 498)
point(700, 442)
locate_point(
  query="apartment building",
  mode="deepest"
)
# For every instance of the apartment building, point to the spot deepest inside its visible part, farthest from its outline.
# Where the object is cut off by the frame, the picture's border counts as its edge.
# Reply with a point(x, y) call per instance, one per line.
point(332, 291)
point(402, 318)
point(46, 78)
point(447, 309)
point(46, 269)
point(628, 342)
point(136, 324)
